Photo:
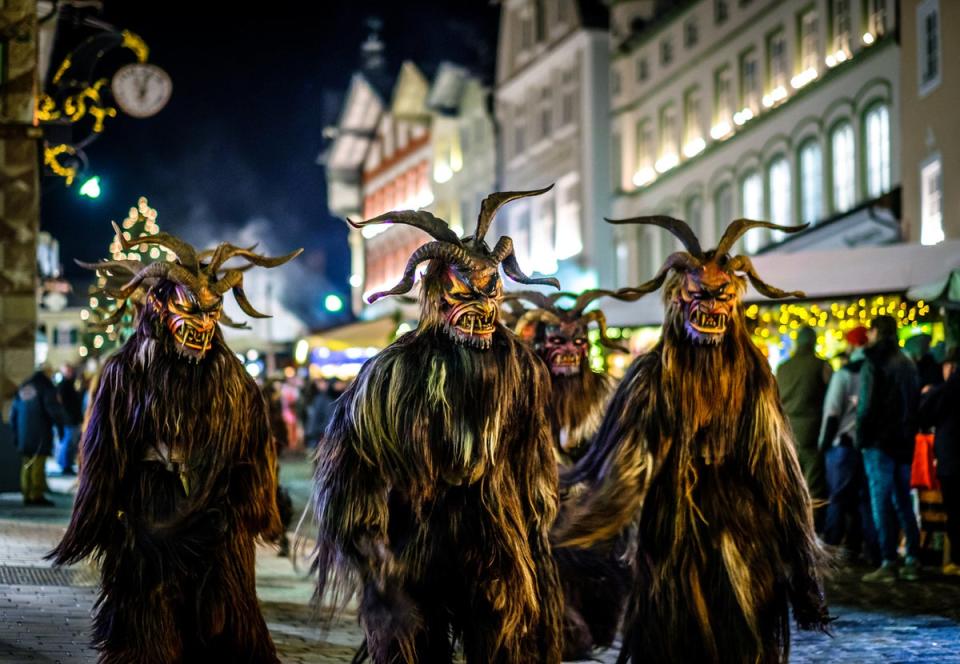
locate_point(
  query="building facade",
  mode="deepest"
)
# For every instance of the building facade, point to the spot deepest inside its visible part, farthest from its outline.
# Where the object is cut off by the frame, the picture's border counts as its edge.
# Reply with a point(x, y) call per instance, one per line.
point(552, 108)
point(930, 77)
point(764, 109)
point(407, 144)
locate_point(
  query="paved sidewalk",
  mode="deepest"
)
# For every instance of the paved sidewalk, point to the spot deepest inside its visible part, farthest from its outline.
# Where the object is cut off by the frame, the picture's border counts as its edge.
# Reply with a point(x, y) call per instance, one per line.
point(45, 613)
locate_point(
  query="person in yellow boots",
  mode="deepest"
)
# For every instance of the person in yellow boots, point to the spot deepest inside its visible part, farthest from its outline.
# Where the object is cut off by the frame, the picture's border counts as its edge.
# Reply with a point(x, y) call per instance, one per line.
point(33, 415)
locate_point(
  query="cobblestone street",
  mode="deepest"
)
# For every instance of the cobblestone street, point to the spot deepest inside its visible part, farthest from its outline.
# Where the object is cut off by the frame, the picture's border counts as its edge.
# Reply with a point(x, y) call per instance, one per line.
point(45, 613)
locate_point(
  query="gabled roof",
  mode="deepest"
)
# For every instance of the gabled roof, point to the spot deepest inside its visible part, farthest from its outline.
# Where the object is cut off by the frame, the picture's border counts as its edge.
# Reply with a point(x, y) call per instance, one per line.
point(350, 137)
point(448, 88)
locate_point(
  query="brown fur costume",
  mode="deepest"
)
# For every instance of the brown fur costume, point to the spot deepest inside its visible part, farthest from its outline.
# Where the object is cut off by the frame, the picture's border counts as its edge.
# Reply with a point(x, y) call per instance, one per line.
point(595, 580)
point(696, 451)
point(436, 483)
point(178, 478)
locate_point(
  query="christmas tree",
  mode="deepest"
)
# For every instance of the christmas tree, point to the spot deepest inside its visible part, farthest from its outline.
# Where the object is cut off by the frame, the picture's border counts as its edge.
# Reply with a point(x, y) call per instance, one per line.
point(100, 339)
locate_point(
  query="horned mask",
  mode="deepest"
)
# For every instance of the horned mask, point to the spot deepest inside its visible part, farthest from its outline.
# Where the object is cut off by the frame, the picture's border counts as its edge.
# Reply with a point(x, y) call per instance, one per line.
point(462, 283)
point(186, 295)
point(560, 334)
point(706, 286)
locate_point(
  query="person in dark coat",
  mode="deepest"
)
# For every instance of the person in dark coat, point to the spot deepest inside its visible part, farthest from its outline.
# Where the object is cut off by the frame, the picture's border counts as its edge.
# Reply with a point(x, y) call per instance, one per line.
point(940, 408)
point(73, 410)
point(318, 413)
point(886, 433)
point(35, 411)
point(849, 519)
point(803, 381)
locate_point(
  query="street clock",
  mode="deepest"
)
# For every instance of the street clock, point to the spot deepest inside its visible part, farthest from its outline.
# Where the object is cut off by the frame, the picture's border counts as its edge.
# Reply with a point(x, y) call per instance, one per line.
point(141, 90)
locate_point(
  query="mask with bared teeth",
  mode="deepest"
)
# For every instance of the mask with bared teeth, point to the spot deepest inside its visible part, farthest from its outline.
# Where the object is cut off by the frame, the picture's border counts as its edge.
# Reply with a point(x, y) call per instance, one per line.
point(705, 287)
point(461, 287)
point(184, 297)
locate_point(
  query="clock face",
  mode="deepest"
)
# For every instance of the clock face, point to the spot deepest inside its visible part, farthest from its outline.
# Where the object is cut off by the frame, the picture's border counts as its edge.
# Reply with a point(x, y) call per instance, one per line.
point(141, 90)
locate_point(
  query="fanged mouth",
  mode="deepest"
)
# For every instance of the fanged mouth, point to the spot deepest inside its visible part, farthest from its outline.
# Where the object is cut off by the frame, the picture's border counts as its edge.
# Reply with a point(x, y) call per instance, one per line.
point(193, 342)
point(565, 363)
point(473, 329)
point(708, 323)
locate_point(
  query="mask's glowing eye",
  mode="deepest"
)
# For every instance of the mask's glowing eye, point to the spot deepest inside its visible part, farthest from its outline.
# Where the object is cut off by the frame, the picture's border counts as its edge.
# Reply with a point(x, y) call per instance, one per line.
point(556, 340)
point(463, 297)
point(580, 342)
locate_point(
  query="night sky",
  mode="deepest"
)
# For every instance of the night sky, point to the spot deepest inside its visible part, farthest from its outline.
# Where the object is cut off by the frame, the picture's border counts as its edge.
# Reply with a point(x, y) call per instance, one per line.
point(234, 152)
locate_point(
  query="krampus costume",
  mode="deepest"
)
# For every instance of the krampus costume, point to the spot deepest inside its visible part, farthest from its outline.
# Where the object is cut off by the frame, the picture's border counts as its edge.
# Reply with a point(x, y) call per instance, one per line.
point(559, 337)
point(695, 450)
point(595, 580)
point(178, 477)
point(436, 481)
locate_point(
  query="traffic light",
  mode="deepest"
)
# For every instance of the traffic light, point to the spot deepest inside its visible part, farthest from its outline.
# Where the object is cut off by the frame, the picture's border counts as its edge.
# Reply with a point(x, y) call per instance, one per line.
point(91, 187)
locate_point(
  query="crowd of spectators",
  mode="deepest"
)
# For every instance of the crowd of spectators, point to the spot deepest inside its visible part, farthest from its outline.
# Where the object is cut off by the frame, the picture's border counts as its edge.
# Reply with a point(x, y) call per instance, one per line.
point(863, 436)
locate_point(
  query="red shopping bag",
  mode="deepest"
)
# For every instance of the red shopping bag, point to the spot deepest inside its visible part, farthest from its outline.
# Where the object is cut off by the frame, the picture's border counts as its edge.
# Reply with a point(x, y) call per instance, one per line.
point(923, 474)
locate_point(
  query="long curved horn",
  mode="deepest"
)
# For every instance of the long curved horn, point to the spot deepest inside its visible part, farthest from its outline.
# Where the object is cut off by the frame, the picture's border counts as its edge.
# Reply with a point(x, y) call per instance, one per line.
point(186, 254)
point(512, 270)
point(229, 322)
point(437, 228)
point(740, 226)
point(597, 315)
point(679, 228)
point(492, 203)
point(745, 265)
point(244, 303)
point(110, 267)
point(536, 316)
point(160, 270)
point(256, 259)
point(534, 297)
point(588, 296)
point(216, 255)
point(679, 260)
point(230, 279)
point(503, 248)
point(445, 251)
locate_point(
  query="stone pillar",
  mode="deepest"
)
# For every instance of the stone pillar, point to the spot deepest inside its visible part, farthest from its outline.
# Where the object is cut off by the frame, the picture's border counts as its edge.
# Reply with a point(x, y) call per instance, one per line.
point(19, 196)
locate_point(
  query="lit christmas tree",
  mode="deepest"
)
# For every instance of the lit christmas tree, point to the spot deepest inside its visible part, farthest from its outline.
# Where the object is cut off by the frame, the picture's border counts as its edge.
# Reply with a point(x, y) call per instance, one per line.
point(99, 339)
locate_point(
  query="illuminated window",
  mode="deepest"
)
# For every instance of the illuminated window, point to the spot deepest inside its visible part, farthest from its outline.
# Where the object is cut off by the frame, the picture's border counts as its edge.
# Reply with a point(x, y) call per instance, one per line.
point(543, 234)
point(842, 153)
point(693, 214)
point(777, 60)
point(809, 41)
point(751, 204)
point(811, 181)
point(841, 25)
point(931, 201)
point(722, 208)
point(691, 116)
point(749, 81)
point(644, 144)
point(781, 201)
point(723, 95)
point(876, 17)
point(878, 150)
point(668, 131)
point(928, 45)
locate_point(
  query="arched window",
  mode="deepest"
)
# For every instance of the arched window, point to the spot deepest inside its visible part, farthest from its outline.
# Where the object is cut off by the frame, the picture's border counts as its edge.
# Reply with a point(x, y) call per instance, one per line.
point(751, 204)
point(844, 167)
point(878, 150)
point(693, 214)
point(781, 199)
point(722, 209)
point(811, 181)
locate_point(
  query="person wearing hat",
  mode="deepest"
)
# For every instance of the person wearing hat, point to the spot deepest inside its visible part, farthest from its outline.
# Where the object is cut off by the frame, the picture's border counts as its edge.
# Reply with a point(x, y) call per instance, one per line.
point(849, 520)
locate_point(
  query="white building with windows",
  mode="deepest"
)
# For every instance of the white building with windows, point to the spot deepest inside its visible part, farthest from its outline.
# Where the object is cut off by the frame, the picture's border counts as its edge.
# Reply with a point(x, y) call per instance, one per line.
point(766, 109)
point(552, 105)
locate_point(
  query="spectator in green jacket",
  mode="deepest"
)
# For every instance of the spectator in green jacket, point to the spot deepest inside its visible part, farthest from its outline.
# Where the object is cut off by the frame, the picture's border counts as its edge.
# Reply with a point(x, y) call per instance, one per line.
point(803, 381)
